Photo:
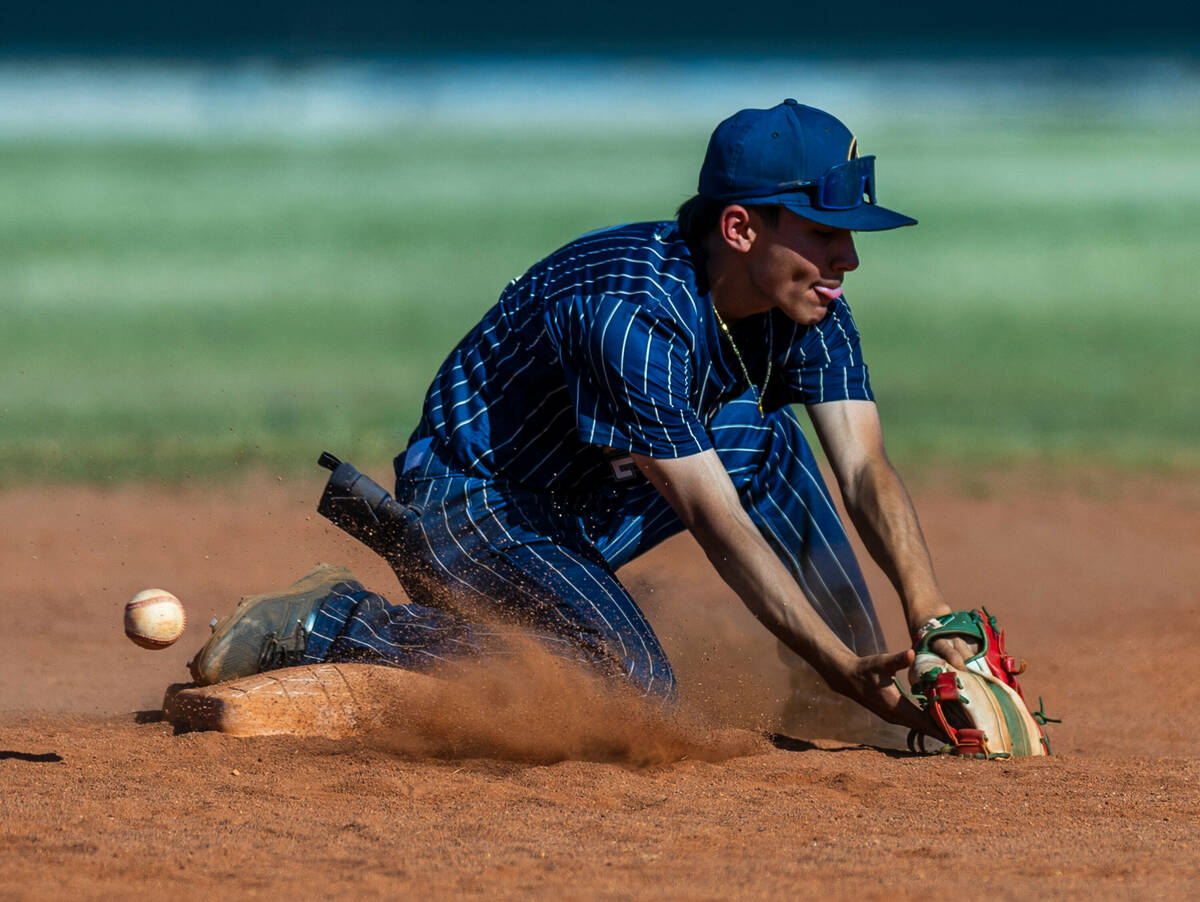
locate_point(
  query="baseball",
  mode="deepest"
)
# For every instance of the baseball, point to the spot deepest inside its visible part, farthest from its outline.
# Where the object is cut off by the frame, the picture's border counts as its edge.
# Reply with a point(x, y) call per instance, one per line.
point(154, 618)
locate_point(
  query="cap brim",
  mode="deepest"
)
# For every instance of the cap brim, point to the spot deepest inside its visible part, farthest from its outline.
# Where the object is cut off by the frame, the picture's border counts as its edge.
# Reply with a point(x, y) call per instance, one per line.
point(863, 218)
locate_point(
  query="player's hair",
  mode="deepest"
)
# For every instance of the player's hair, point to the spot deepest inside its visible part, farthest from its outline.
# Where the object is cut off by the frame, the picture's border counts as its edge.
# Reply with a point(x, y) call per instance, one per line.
point(699, 215)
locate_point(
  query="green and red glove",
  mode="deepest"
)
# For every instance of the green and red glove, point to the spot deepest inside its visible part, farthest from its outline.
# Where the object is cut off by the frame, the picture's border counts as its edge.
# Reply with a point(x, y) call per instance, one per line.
point(981, 710)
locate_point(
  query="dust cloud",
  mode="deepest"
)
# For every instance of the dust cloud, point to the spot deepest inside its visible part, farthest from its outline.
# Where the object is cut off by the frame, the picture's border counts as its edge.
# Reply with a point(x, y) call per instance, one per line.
point(532, 706)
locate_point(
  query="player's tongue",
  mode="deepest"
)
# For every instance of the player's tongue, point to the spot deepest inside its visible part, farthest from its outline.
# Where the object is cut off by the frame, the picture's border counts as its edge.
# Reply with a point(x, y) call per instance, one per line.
point(830, 294)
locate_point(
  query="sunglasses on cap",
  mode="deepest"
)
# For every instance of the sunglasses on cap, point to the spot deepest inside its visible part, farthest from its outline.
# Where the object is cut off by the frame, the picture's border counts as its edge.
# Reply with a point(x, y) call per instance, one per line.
point(842, 187)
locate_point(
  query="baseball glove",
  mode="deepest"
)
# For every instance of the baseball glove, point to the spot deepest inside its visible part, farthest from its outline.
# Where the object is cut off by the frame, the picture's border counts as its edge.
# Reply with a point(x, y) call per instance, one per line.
point(981, 710)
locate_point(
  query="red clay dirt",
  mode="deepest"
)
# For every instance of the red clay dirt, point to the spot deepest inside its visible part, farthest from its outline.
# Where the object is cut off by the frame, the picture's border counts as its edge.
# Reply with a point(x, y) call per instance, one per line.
point(563, 795)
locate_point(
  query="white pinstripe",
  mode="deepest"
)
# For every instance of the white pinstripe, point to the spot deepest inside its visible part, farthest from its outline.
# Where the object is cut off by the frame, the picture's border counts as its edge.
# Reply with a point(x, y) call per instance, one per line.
point(494, 518)
point(565, 410)
point(829, 601)
point(620, 604)
point(466, 504)
point(837, 322)
point(863, 606)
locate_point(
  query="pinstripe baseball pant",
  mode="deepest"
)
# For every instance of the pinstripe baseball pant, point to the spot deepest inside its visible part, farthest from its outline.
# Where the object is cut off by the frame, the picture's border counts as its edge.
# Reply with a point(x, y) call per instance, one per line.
point(483, 553)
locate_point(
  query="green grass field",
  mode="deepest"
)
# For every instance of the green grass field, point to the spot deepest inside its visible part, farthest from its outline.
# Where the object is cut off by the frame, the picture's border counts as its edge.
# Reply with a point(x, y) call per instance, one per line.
point(174, 308)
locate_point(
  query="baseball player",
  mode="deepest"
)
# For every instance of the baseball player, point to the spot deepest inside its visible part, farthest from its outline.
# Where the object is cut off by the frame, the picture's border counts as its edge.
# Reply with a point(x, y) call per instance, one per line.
point(635, 383)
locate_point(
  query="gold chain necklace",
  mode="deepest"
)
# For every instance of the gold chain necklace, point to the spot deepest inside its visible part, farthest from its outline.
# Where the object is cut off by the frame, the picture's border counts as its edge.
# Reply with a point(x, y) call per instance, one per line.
point(759, 393)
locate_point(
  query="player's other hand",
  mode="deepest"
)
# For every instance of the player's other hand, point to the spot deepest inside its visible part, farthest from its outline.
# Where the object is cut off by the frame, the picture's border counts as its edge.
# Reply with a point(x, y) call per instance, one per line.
point(955, 650)
point(868, 680)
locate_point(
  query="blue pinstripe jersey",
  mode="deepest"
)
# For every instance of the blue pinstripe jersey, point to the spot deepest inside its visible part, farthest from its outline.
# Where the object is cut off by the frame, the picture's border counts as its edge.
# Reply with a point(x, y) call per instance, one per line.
point(608, 346)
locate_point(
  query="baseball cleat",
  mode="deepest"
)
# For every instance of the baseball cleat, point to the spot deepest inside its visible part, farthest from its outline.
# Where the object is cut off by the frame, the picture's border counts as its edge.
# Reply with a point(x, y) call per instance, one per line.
point(265, 632)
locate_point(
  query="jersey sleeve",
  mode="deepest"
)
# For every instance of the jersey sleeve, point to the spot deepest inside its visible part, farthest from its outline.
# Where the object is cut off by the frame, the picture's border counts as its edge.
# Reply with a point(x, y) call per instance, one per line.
point(630, 375)
point(825, 362)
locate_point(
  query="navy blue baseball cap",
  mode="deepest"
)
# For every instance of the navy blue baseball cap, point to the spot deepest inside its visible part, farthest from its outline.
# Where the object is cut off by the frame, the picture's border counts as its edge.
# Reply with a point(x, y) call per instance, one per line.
point(800, 158)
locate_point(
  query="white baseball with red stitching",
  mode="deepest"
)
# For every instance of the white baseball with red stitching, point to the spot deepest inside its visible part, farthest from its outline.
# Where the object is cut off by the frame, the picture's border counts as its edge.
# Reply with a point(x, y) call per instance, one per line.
point(154, 618)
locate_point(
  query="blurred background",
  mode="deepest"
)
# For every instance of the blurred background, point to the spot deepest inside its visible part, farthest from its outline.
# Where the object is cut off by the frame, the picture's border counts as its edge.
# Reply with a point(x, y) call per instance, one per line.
point(232, 236)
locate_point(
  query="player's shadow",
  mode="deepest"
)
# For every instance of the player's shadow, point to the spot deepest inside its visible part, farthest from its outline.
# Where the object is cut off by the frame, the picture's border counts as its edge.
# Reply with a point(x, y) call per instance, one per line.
point(792, 744)
point(43, 757)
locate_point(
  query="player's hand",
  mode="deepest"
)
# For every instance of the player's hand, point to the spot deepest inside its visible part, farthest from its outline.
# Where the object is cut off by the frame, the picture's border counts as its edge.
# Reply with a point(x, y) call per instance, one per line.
point(868, 681)
point(955, 650)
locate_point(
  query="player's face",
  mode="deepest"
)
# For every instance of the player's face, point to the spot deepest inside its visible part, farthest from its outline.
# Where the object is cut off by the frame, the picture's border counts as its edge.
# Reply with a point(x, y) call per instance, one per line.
point(798, 265)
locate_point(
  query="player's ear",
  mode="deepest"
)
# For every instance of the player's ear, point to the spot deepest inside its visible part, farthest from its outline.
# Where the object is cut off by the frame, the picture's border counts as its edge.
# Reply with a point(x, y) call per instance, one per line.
point(737, 228)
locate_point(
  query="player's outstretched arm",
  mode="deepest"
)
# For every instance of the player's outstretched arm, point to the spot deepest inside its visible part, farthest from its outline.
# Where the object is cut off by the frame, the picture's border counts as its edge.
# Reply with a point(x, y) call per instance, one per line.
point(701, 493)
point(882, 511)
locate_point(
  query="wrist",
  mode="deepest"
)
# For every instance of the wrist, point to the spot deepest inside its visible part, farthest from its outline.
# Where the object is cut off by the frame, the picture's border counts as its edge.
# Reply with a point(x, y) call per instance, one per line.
point(836, 666)
point(919, 616)
point(922, 629)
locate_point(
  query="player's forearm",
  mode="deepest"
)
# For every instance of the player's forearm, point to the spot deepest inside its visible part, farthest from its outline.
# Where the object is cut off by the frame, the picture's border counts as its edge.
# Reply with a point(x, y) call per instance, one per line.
point(754, 572)
point(886, 520)
point(699, 490)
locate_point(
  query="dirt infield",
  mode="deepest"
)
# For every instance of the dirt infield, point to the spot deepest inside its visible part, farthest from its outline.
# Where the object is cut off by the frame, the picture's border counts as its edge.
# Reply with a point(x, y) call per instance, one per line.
point(1098, 583)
